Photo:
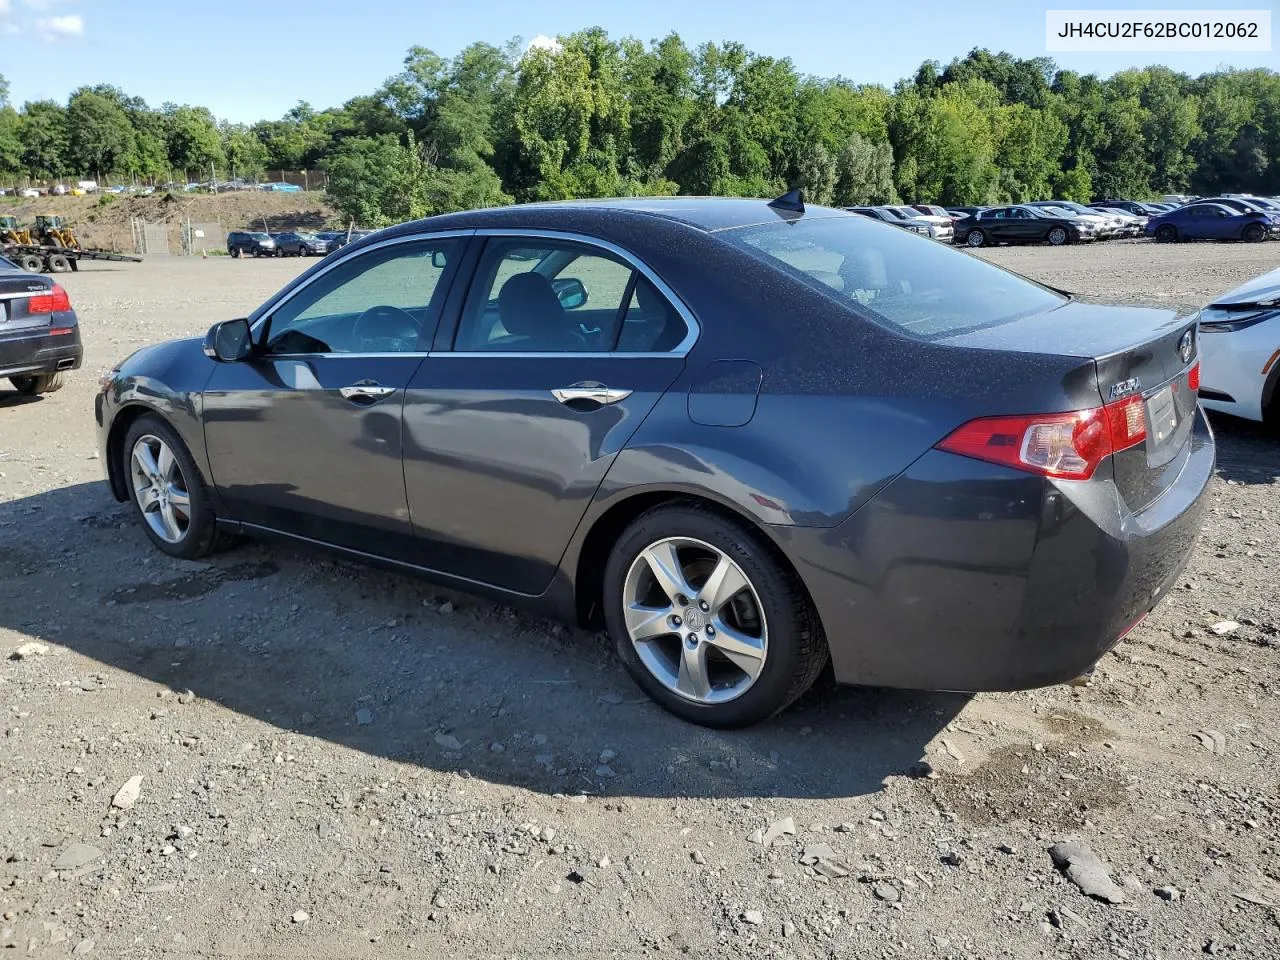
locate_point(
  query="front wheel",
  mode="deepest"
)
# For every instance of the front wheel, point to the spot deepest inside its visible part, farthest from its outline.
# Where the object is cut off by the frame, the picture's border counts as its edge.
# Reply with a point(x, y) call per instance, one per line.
point(707, 620)
point(1058, 236)
point(1255, 233)
point(976, 238)
point(165, 485)
point(1166, 233)
point(36, 383)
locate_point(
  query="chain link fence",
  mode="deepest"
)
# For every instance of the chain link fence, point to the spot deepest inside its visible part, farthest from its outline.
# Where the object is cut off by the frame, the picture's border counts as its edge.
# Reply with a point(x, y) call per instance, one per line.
point(198, 238)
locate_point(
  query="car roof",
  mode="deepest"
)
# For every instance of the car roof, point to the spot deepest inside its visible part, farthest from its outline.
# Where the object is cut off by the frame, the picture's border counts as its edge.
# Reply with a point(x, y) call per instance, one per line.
point(703, 213)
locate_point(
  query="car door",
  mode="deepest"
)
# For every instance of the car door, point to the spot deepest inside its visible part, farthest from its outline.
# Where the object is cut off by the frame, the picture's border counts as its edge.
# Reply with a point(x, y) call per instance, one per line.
point(304, 436)
point(999, 225)
point(562, 348)
point(1222, 224)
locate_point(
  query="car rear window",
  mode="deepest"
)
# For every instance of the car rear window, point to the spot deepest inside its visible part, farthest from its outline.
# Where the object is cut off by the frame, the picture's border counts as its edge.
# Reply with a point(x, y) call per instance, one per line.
point(903, 281)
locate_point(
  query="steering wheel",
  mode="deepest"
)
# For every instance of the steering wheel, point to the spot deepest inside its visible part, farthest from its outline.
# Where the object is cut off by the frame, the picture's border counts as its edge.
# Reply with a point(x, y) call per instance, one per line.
point(388, 327)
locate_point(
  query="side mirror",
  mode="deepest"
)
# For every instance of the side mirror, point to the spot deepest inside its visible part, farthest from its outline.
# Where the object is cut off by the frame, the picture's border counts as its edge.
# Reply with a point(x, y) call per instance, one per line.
point(229, 341)
point(439, 259)
point(570, 292)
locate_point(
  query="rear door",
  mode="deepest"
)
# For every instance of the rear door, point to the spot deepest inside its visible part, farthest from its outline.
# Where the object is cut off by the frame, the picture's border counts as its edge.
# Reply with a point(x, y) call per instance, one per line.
point(562, 348)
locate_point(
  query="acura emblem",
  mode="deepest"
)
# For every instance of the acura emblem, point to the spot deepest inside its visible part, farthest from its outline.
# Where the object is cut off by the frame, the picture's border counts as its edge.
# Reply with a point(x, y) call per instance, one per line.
point(1184, 347)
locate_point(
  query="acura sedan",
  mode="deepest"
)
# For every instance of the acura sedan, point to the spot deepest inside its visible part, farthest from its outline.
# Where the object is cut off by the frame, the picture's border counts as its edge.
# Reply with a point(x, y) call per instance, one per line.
point(747, 439)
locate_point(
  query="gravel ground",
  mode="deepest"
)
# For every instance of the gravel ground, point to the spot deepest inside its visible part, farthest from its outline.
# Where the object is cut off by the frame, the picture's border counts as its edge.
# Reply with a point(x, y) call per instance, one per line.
point(340, 762)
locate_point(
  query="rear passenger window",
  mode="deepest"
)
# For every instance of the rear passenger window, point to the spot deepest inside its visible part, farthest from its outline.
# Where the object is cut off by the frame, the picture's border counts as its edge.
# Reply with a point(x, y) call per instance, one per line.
point(549, 296)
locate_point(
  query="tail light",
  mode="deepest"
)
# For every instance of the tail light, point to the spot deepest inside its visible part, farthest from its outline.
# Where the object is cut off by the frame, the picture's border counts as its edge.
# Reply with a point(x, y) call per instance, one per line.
point(55, 301)
point(1068, 446)
point(1193, 377)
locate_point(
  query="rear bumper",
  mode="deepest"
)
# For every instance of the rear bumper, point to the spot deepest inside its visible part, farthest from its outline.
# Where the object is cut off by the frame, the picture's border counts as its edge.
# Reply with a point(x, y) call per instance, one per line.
point(22, 355)
point(962, 575)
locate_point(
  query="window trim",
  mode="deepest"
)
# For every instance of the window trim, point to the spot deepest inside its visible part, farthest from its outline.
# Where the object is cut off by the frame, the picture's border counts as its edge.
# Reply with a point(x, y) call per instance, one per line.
point(692, 329)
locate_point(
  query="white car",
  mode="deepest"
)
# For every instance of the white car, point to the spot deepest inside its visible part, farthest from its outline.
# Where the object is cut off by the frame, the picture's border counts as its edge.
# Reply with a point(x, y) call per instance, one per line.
point(31, 192)
point(1240, 351)
point(940, 228)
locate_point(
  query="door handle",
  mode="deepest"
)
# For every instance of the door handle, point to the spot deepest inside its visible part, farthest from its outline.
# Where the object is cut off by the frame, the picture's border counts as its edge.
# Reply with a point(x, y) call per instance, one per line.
point(591, 393)
point(366, 390)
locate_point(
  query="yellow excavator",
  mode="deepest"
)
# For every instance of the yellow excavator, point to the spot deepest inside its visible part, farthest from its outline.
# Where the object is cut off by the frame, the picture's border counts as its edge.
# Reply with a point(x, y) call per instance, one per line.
point(12, 232)
point(51, 232)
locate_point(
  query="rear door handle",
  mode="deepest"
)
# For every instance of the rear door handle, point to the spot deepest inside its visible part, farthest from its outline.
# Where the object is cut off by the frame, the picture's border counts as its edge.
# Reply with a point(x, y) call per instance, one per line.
point(591, 393)
point(365, 391)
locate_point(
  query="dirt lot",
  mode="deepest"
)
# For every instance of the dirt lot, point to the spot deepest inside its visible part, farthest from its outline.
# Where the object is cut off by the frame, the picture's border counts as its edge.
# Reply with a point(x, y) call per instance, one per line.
point(338, 762)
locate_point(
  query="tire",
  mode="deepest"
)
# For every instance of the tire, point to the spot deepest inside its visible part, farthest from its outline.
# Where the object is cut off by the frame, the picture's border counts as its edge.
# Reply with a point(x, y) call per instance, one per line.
point(1255, 233)
point(1058, 236)
point(1166, 233)
point(200, 536)
point(58, 263)
point(976, 238)
point(279, 252)
point(38, 383)
point(237, 253)
point(31, 263)
point(771, 612)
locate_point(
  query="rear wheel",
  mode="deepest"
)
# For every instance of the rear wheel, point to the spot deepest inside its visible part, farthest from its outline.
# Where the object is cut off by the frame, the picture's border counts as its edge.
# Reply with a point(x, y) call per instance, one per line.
point(1255, 233)
point(708, 622)
point(237, 253)
point(38, 383)
point(31, 263)
point(58, 263)
point(1166, 233)
point(976, 238)
point(1058, 236)
point(166, 487)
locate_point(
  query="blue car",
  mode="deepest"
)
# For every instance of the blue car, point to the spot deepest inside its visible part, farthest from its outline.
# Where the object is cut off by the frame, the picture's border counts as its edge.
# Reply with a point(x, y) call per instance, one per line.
point(1213, 221)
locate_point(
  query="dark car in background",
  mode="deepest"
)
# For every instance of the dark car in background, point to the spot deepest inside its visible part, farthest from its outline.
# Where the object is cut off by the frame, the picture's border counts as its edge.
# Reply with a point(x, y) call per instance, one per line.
point(301, 245)
point(886, 215)
point(1213, 220)
point(1022, 224)
point(243, 243)
point(39, 331)
point(1137, 207)
point(745, 438)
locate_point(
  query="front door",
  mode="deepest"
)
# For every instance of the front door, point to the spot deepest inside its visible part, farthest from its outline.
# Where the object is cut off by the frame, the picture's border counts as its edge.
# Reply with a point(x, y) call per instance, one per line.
point(561, 351)
point(305, 436)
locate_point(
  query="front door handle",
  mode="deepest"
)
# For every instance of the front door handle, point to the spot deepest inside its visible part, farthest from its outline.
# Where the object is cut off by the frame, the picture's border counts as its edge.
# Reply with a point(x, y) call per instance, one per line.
point(366, 391)
point(590, 392)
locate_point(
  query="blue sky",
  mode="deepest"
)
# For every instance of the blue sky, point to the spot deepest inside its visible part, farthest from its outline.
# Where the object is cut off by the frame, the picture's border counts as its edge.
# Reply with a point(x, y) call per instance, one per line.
point(253, 59)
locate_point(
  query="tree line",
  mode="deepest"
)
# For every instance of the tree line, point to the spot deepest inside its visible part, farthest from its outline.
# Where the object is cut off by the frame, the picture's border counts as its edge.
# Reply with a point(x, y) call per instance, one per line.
point(592, 116)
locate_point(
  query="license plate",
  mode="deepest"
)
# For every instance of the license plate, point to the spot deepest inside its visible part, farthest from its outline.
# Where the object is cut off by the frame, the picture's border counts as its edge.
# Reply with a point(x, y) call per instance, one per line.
point(1162, 415)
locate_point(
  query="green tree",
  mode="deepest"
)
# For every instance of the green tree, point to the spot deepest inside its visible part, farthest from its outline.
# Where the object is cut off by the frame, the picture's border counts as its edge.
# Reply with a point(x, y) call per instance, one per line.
point(193, 140)
point(43, 134)
point(245, 154)
point(100, 138)
point(864, 173)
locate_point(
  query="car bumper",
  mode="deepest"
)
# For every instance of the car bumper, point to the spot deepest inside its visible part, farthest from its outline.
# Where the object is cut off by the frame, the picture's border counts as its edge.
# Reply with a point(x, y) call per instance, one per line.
point(962, 575)
point(25, 354)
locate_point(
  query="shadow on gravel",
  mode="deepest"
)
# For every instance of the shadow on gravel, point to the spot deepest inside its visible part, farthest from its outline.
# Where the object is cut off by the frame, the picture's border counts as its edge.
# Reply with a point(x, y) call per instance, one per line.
point(12, 398)
point(367, 660)
point(1248, 452)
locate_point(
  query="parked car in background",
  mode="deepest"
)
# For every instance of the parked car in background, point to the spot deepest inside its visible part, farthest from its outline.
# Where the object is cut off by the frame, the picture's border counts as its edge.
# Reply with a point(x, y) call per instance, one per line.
point(1023, 224)
point(941, 228)
point(39, 331)
point(959, 213)
point(933, 210)
point(1132, 206)
point(242, 243)
point(1240, 351)
point(280, 187)
point(746, 439)
point(60, 190)
point(1106, 225)
point(301, 245)
point(886, 216)
point(30, 192)
point(1213, 220)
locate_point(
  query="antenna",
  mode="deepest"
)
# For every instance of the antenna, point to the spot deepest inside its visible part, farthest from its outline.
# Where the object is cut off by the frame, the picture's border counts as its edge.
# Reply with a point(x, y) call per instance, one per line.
point(791, 200)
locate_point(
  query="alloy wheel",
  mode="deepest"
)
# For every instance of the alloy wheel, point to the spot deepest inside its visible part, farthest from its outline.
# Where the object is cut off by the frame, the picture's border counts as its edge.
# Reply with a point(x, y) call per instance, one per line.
point(160, 489)
point(695, 620)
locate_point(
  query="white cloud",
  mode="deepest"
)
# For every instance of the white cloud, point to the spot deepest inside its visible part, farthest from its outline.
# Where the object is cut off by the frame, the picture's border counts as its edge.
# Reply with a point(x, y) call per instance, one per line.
point(5, 6)
point(543, 42)
point(53, 29)
point(41, 4)
point(10, 28)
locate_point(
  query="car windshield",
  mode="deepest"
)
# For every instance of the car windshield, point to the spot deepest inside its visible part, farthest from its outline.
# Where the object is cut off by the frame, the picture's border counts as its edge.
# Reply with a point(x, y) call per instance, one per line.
point(902, 281)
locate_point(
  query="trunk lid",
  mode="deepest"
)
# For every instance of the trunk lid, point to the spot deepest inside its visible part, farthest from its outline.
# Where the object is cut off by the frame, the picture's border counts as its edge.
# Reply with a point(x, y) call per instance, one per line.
point(16, 290)
point(1136, 352)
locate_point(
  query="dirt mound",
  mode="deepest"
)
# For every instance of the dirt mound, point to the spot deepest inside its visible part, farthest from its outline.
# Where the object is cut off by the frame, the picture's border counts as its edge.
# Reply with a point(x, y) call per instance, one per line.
point(104, 220)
